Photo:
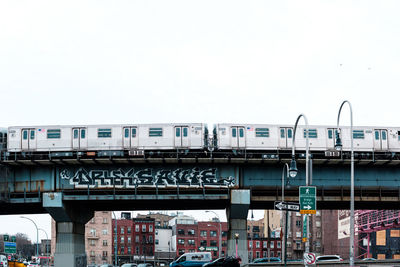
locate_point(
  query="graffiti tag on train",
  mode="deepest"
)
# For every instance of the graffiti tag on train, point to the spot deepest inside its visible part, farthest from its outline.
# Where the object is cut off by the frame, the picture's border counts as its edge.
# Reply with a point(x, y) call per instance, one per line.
point(149, 177)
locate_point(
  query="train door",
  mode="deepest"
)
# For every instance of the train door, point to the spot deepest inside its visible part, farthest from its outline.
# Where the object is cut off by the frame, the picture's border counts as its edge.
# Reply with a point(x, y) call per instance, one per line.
point(238, 137)
point(79, 139)
point(130, 139)
point(28, 137)
point(285, 137)
point(331, 140)
point(380, 139)
point(181, 136)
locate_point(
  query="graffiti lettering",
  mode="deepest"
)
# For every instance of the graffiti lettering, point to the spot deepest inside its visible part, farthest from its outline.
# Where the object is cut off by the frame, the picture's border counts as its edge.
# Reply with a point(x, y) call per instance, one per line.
point(130, 178)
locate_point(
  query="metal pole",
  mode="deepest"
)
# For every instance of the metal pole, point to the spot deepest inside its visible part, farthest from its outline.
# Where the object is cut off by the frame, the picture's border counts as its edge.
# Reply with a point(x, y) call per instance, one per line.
point(48, 261)
point(286, 166)
point(116, 241)
point(37, 235)
point(352, 182)
point(307, 249)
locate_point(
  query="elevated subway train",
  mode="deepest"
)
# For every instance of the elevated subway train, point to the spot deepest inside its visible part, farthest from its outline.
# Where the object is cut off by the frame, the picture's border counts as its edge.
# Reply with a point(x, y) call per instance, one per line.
point(192, 139)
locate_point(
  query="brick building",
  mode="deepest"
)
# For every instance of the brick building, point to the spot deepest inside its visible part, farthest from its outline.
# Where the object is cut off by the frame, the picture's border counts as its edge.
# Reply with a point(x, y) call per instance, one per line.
point(264, 247)
point(134, 239)
point(98, 238)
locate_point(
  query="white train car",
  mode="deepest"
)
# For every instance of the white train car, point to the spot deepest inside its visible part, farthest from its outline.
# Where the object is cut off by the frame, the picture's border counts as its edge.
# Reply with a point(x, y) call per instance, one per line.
point(107, 137)
point(321, 138)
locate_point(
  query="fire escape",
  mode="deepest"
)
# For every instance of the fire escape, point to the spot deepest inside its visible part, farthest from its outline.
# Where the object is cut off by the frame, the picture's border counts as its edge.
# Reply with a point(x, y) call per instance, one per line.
point(369, 221)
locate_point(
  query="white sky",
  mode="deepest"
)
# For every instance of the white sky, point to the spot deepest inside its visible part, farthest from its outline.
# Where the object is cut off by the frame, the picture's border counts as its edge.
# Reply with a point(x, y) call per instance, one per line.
point(86, 62)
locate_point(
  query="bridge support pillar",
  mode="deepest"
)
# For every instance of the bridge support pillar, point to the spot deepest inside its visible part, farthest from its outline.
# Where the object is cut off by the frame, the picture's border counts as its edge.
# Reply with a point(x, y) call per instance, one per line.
point(237, 224)
point(70, 230)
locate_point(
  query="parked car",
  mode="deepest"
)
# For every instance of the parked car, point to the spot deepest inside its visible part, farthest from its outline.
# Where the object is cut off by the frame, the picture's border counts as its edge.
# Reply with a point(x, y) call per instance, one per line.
point(215, 263)
point(144, 265)
point(3, 260)
point(369, 259)
point(129, 265)
point(266, 260)
point(194, 259)
point(107, 265)
point(325, 258)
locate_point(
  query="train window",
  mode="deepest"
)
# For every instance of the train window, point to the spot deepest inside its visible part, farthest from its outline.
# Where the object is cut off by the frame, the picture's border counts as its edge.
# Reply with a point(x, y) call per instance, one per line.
point(185, 132)
point(282, 133)
point(76, 134)
point(383, 135)
point(289, 133)
point(330, 132)
point(32, 134)
point(233, 132)
point(262, 132)
point(104, 133)
point(83, 133)
point(358, 134)
point(126, 133)
point(53, 134)
point(133, 132)
point(177, 132)
point(25, 135)
point(241, 132)
point(1, 138)
point(376, 135)
point(154, 132)
point(312, 133)
point(398, 135)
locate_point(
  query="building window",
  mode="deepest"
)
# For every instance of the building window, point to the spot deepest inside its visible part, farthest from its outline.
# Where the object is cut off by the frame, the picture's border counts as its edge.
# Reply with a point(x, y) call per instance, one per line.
point(92, 253)
point(104, 242)
point(143, 228)
point(319, 234)
point(104, 133)
point(279, 254)
point(181, 241)
point(122, 230)
point(105, 220)
point(272, 245)
point(264, 254)
point(137, 239)
point(250, 244)
point(53, 134)
point(203, 243)
point(262, 132)
point(224, 233)
point(122, 239)
point(191, 232)
point(271, 253)
point(93, 232)
point(298, 223)
point(278, 244)
point(137, 251)
point(129, 239)
point(150, 228)
point(181, 232)
point(257, 254)
point(257, 244)
point(129, 250)
point(191, 242)
point(155, 132)
point(318, 223)
point(105, 232)
point(203, 233)
point(213, 243)
point(128, 230)
point(122, 250)
point(298, 234)
point(150, 238)
point(93, 242)
point(265, 244)
point(137, 229)
point(213, 233)
point(156, 241)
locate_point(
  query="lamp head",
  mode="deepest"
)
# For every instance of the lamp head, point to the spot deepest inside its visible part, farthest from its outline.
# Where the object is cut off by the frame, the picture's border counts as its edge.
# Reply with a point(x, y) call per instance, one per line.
point(338, 143)
point(236, 236)
point(293, 168)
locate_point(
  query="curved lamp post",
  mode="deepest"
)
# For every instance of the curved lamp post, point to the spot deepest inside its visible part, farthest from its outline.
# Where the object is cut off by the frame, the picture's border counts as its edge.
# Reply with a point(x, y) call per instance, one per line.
point(285, 167)
point(37, 234)
point(47, 237)
point(338, 146)
point(220, 233)
point(293, 169)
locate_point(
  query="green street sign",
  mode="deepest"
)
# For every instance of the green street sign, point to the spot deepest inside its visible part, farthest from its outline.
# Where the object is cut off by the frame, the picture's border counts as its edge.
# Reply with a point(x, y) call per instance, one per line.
point(304, 229)
point(13, 239)
point(308, 199)
point(10, 247)
point(6, 238)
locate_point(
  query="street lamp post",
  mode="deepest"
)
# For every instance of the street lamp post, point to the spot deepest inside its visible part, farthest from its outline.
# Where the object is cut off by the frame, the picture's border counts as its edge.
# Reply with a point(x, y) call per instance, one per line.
point(285, 167)
point(220, 233)
point(116, 241)
point(338, 146)
point(47, 238)
point(37, 234)
point(293, 169)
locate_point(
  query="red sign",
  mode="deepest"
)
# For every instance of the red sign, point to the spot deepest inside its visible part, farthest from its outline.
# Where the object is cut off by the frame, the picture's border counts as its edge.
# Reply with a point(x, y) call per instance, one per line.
point(9, 257)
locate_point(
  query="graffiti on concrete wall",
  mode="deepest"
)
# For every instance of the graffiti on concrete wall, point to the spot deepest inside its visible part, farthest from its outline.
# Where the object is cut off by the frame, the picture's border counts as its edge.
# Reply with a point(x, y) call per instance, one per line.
point(149, 177)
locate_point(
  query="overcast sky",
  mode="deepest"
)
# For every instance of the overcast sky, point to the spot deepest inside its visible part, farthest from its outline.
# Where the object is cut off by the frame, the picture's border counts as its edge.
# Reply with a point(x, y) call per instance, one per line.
point(86, 62)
